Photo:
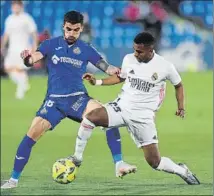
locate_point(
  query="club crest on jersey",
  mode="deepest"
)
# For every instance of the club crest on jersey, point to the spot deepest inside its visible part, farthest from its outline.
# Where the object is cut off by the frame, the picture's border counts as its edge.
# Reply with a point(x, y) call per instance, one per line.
point(44, 111)
point(76, 50)
point(154, 76)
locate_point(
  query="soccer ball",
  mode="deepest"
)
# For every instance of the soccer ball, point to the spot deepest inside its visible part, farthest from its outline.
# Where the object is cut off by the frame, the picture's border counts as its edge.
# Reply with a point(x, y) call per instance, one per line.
point(64, 171)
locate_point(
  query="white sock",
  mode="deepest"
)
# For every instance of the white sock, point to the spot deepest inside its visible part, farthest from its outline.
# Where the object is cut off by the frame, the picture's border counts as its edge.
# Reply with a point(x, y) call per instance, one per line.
point(84, 134)
point(15, 180)
point(167, 165)
point(14, 76)
point(22, 85)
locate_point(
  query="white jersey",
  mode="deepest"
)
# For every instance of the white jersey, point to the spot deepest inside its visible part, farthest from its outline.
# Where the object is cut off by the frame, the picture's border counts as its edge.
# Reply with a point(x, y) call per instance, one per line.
point(145, 84)
point(19, 28)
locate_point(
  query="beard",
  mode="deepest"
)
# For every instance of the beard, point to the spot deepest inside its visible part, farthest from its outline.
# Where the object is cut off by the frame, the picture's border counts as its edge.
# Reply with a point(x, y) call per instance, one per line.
point(70, 40)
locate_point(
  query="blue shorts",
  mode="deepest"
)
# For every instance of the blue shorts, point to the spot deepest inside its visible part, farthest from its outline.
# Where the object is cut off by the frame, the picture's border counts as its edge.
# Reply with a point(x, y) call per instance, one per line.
point(54, 109)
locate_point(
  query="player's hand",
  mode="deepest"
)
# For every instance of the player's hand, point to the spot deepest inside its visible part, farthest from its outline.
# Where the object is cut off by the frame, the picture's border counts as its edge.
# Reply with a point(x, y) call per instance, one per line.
point(90, 77)
point(113, 70)
point(180, 112)
point(25, 53)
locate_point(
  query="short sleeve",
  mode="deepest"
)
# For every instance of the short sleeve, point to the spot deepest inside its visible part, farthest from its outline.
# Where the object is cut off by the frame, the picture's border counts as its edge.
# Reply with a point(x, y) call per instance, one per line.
point(94, 55)
point(44, 47)
point(31, 25)
point(173, 75)
point(123, 73)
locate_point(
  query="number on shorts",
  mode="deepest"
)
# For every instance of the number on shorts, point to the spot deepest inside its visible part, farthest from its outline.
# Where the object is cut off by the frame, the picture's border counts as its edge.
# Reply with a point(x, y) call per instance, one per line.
point(49, 103)
point(115, 107)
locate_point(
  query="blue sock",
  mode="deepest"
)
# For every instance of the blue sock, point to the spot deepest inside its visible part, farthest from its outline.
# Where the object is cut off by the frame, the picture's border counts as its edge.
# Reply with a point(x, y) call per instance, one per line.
point(22, 156)
point(114, 143)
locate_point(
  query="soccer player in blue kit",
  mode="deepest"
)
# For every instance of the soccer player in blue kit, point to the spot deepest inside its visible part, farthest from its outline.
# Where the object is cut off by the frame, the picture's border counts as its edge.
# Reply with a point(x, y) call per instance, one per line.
point(66, 59)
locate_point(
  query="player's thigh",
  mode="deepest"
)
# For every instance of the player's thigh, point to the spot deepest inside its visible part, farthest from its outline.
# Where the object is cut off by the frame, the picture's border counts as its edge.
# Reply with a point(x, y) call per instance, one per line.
point(143, 133)
point(14, 61)
point(91, 105)
point(114, 113)
point(50, 112)
point(38, 128)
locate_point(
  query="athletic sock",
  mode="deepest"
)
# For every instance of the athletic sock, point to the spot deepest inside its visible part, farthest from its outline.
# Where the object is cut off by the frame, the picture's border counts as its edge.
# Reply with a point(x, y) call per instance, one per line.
point(167, 165)
point(114, 143)
point(84, 134)
point(14, 76)
point(22, 85)
point(22, 156)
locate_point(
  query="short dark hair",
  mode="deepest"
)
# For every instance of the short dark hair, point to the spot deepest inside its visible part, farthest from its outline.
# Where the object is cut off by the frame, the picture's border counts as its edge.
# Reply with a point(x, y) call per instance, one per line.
point(19, 2)
point(145, 38)
point(73, 17)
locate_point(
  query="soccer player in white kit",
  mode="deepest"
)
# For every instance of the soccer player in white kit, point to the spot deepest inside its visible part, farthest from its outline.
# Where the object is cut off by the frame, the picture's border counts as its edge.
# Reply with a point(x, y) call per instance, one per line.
point(144, 73)
point(19, 28)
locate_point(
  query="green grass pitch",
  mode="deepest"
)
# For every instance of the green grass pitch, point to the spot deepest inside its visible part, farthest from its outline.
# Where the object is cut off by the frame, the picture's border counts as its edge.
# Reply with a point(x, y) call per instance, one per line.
point(188, 141)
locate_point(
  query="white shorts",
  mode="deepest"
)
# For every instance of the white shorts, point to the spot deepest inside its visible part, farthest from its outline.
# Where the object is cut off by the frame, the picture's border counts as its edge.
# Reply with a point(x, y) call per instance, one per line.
point(142, 131)
point(13, 60)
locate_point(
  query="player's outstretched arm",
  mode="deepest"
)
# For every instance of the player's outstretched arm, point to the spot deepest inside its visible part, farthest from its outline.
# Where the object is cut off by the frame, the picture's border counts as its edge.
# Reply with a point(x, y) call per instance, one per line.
point(111, 80)
point(107, 68)
point(179, 93)
point(31, 58)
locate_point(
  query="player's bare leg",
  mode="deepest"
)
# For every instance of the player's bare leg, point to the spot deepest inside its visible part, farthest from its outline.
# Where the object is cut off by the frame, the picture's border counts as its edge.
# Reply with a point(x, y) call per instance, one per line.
point(96, 117)
point(20, 78)
point(37, 129)
point(152, 156)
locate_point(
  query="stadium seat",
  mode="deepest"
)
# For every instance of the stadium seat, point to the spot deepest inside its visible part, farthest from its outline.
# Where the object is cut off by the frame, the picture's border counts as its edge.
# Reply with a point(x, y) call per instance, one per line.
point(117, 42)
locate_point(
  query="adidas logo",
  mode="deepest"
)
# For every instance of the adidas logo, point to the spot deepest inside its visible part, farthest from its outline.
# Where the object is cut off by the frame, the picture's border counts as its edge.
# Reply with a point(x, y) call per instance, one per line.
point(132, 72)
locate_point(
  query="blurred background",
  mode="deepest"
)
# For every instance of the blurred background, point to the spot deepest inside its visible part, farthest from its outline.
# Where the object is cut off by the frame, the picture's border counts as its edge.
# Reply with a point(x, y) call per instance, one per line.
point(183, 28)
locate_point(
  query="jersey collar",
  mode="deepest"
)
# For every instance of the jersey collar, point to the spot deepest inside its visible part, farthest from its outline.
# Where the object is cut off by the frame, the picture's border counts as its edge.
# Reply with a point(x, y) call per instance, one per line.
point(65, 44)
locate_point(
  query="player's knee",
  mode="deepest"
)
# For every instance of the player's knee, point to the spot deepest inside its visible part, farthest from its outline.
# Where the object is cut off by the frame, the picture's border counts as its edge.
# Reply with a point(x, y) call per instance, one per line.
point(38, 129)
point(153, 161)
point(95, 116)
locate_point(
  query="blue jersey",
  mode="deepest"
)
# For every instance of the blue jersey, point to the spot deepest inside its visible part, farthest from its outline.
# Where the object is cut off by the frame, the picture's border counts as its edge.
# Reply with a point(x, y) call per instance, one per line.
point(66, 65)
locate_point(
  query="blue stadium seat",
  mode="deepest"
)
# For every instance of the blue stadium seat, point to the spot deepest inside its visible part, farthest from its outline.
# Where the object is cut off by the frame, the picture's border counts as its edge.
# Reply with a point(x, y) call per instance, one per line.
point(48, 12)
point(209, 20)
point(95, 22)
point(96, 33)
point(117, 42)
point(105, 33)
point(129, 43)
point(186, 8)
point(109, 11)
point(105, 43)
point(167, 29)
point(107, 22)
point(36, 12)
point(199, 7)
point(118, 31)
point(209, 7)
